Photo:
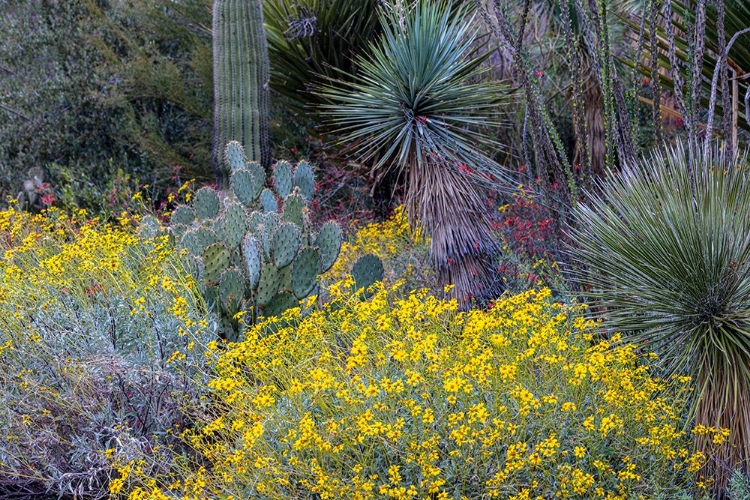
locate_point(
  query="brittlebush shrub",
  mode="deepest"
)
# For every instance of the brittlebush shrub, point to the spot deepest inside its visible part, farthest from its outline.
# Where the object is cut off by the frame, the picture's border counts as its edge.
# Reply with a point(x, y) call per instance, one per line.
point(101, 336)
point(402, 396)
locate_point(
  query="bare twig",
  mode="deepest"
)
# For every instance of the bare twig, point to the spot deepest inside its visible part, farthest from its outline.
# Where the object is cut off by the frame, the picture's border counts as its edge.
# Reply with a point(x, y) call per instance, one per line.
point(14, 112)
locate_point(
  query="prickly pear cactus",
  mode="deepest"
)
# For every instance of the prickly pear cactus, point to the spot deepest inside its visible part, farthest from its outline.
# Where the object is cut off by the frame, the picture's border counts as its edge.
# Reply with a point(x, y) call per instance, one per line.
point(282, 178)
point(366, 272)
point(304, 180)
point(328, 242)
point(252, 248)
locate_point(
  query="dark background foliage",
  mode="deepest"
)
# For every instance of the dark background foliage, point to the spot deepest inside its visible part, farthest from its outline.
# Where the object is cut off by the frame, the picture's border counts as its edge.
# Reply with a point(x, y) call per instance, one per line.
point(88, 88)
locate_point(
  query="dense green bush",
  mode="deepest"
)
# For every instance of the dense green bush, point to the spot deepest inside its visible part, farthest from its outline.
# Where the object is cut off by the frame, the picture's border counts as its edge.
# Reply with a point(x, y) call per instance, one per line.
point(96, 86)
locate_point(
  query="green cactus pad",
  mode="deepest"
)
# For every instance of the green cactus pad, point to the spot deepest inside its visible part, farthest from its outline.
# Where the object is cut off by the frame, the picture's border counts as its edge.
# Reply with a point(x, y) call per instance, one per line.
point(196, 240)
point(235, 258)
point(270, 281)
point(329, 242)
point(206, 203)
point(294, 209)
point(253, 259)
point(183, 214)
point(178, 231)
point(304, 180)
point(211, 296)
point(215, 261)
point(227, 330)
point(263, 235)
point(282, 178)
point(285, 244)
point(231, 290)
point(217, 226)
point(234, 224)
point(256, 219)
point(280, 303)
point(286, 280)
point(191, 242)
point(305, 270)
point(272, 221)
point(367, 271)
point(268, 200)
point(264, 232)
point(235, 155)
point(246, 186)
point(192, 264)
point(149, 227)
point(259, 174)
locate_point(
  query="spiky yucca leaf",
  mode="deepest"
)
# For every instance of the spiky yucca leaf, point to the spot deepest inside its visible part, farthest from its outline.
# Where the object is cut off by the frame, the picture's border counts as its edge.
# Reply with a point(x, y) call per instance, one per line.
point(668, 263)
point(315, 37)
point(419, 91)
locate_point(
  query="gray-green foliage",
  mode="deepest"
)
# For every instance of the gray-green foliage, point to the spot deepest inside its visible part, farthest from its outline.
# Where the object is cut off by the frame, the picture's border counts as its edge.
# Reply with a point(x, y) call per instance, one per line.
point(739, 486)
point(252, 255)
point(667, 255)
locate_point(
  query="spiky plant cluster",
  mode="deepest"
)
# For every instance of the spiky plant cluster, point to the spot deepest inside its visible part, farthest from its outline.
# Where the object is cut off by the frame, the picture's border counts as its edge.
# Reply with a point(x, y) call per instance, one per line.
point(418, 104)
point(668, 260)
point(308, 38)
point(251, 255)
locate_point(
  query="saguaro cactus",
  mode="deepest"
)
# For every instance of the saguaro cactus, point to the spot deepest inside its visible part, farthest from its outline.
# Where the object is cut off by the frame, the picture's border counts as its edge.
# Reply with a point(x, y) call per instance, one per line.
point(241, 75)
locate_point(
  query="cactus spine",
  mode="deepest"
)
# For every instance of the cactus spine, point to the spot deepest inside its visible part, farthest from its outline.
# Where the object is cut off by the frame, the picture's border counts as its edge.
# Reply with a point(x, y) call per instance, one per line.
point(241, 75)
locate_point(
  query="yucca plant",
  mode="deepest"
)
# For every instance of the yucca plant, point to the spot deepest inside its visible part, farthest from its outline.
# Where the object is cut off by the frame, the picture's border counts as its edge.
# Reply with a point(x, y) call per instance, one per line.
point(418, 105)
point(667, 249)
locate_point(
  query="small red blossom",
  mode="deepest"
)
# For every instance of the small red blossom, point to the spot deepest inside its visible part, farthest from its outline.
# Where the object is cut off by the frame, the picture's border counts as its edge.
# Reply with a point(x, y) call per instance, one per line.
point(464, 169)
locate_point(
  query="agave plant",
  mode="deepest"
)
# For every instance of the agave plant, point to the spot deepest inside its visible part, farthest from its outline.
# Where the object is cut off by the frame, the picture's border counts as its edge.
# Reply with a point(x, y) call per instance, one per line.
point(667, 248)
point(418, 104)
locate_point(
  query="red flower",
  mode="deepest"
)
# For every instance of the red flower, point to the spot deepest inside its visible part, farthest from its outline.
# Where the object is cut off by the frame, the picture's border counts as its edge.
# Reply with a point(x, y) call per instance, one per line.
point(464, 169)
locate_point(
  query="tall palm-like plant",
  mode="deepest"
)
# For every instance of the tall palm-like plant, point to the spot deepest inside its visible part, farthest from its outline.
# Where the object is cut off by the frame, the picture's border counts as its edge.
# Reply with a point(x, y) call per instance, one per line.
point(418, 104)
point(668, 255)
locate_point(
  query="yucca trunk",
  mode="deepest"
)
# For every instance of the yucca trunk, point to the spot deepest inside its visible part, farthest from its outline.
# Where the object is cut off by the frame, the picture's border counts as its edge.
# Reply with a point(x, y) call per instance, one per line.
point(723, 404)
point(454, 215)
point(596, 135)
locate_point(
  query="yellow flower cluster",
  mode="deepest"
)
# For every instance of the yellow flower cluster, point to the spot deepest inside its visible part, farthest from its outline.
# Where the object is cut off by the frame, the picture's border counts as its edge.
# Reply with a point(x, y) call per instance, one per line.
point(403, 397)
